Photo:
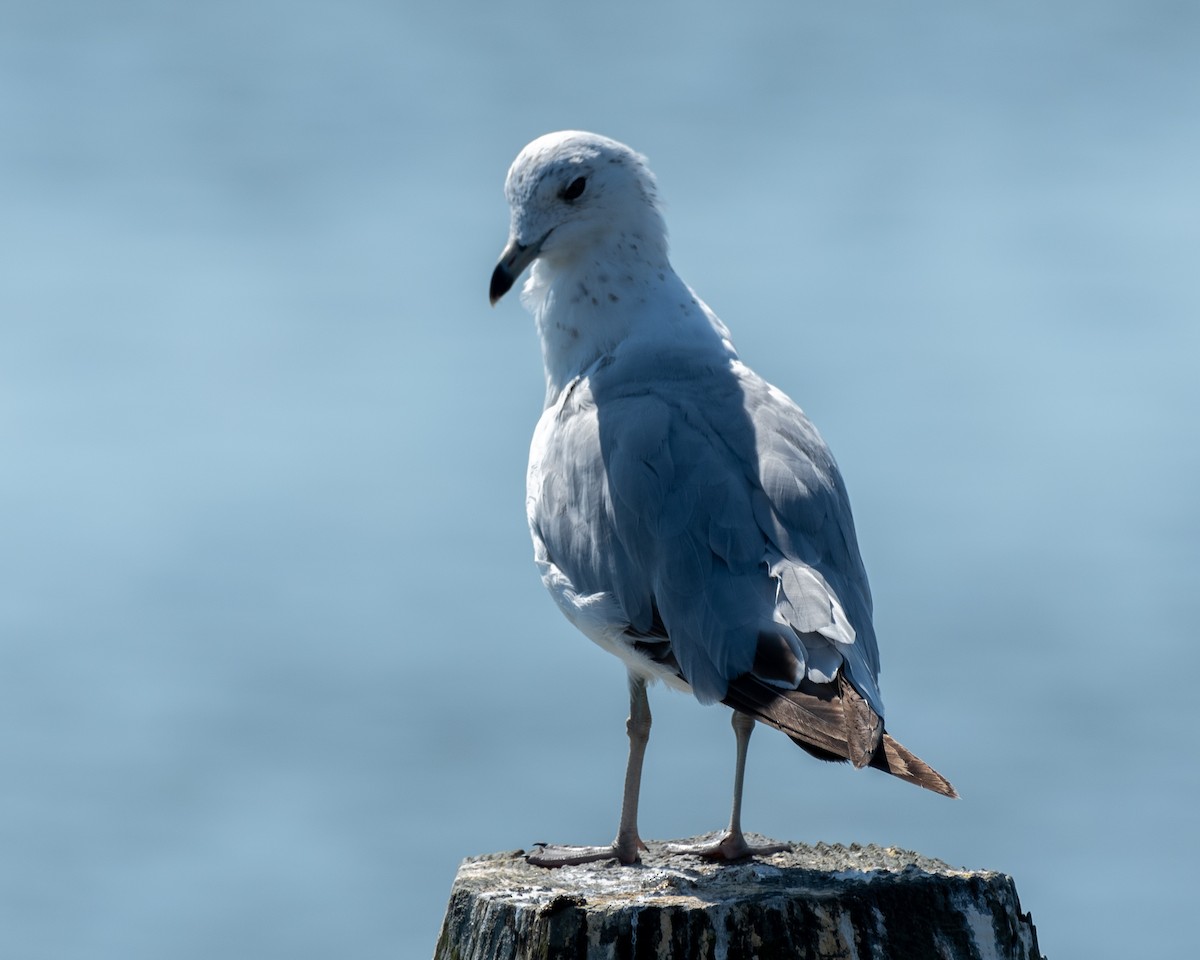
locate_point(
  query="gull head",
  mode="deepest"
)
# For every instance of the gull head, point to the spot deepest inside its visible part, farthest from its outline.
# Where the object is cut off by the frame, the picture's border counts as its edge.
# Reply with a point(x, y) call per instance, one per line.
point(570, 193)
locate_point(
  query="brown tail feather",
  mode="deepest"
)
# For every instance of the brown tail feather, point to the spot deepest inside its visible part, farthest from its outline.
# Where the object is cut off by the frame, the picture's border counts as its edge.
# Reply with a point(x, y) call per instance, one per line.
point(895, 758)
point(832, 721)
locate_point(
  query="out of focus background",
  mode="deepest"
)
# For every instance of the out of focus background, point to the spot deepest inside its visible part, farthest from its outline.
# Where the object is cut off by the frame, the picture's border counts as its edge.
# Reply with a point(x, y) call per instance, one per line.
point(273, 653)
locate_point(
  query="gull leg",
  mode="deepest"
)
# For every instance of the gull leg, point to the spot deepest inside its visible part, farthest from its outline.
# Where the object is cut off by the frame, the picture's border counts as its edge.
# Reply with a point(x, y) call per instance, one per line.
point(627, 845)
point(732, 844)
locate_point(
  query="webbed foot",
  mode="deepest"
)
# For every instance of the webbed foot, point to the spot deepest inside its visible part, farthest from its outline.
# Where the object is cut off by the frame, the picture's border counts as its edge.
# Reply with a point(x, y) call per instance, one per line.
point(557, 855)
point(728, 845)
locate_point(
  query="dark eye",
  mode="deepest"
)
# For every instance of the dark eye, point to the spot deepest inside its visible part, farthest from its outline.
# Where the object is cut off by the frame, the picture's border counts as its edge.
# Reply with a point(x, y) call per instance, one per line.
point(574, 189)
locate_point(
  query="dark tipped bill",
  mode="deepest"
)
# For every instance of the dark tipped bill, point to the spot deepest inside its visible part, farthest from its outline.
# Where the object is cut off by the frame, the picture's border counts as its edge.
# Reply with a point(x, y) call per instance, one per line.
point(515, 258)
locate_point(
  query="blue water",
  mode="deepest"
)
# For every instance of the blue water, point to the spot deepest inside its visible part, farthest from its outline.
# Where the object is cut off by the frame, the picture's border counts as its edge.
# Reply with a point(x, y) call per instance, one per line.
point(273, 655)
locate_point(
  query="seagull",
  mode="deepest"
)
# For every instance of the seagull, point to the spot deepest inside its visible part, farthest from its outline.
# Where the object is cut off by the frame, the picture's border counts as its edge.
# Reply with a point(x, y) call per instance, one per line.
point(686, 515)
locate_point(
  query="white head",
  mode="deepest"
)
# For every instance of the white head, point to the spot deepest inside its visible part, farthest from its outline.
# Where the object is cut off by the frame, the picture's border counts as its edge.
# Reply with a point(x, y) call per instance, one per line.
point(571, 192)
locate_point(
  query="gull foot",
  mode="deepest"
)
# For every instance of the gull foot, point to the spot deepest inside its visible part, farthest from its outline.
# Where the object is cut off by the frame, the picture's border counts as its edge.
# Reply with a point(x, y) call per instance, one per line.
point(728, 846)
point(565, 856)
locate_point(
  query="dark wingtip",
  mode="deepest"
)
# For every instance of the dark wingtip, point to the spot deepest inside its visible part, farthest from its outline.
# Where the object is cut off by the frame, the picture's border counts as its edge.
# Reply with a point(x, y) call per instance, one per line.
point(896, 759)
point(833, 722)
point(502, 282)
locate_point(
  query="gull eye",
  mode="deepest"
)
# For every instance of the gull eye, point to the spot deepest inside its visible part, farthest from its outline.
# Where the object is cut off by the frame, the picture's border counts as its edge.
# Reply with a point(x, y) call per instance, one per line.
point(574, 189)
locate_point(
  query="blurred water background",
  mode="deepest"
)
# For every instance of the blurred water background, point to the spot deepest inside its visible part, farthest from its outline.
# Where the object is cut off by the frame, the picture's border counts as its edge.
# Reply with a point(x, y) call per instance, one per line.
point(273, 653)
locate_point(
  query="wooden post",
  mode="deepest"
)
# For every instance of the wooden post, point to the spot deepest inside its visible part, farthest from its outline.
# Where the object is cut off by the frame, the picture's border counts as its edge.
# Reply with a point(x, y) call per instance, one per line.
point(825, 901)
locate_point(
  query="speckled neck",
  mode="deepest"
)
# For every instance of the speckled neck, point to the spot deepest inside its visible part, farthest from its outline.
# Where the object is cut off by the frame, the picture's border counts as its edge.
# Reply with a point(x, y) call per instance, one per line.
point(623, 293)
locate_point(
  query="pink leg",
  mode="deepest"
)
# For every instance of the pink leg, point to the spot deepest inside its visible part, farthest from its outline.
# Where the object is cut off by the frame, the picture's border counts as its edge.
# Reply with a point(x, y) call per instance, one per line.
point(627, 845)
point(732, 845)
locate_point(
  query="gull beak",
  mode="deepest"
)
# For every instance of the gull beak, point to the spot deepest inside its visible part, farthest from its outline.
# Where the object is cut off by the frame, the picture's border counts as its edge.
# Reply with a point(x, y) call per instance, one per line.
point(514, 259)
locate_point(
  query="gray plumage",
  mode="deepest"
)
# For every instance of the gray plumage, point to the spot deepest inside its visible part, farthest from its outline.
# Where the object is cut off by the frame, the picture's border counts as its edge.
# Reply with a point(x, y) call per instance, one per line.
point(686, 515)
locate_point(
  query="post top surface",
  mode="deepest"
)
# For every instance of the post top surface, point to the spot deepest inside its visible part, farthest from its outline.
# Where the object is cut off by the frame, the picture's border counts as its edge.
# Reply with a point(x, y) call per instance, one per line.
point(819, 869)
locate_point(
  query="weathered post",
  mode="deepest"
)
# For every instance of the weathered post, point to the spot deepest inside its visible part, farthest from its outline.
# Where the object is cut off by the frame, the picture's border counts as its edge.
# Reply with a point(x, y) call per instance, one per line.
point(823, 901)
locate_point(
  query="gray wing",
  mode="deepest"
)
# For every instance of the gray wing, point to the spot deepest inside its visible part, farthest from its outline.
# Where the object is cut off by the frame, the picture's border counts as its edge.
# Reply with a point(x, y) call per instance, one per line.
point(710, 509)
point(804, 510)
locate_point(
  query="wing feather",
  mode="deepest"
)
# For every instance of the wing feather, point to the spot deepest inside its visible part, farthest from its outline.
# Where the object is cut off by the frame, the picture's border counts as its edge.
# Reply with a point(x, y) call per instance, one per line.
point(708, 500)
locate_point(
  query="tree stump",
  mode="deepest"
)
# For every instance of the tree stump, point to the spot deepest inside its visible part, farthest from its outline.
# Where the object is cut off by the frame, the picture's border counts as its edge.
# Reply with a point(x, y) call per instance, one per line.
point(824, 902)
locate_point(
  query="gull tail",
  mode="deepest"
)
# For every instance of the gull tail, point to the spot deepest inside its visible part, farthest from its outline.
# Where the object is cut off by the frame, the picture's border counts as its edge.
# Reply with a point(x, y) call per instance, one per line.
point(832, 721)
